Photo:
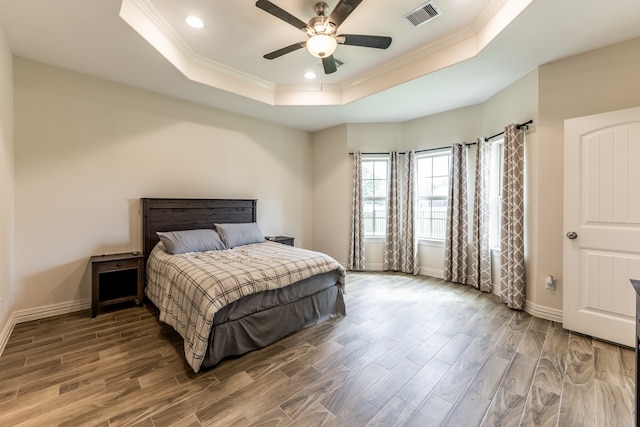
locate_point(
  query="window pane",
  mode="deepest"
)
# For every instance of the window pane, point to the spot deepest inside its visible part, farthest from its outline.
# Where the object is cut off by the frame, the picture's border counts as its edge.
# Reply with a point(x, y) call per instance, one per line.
point(380, 171)
point(367, 188)
point(441, 186)
point(374, 196)
point(421, 187)
point(432, 191)
point(380, 187)
point(425, 166)
point(441, 166)
point(367, 170)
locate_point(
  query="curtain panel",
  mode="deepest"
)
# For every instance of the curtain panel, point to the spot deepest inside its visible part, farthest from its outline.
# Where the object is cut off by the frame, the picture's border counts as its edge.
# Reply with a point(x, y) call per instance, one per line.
point(455, 253)
point(480, 263)
point(356, 241)
point(409, 247)
point(391, 259)
point(512, 220)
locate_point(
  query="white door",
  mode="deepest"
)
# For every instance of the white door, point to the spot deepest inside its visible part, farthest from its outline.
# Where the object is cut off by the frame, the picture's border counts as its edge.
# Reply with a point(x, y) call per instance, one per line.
point(601, 246)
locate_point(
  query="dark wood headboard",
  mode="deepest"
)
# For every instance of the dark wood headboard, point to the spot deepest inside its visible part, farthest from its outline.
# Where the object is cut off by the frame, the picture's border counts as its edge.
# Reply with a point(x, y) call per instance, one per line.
point(190, 214)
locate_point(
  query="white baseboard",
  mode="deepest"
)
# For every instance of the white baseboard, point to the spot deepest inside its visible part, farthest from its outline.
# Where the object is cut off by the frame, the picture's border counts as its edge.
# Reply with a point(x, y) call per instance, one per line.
point(38, 313)
point(6, 333)
point(431, 272)
point(543, 312)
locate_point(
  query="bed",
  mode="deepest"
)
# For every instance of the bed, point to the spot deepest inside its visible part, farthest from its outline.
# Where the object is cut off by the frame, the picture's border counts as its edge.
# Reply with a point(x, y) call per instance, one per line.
point(260, 292)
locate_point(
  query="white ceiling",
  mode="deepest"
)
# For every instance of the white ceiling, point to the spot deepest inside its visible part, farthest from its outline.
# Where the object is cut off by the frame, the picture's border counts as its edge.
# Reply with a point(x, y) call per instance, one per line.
point(463, 57)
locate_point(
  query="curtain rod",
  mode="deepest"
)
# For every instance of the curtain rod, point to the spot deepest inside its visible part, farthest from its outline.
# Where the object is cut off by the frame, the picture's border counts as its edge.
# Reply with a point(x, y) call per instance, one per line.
point(521, 125)
point(466, 144)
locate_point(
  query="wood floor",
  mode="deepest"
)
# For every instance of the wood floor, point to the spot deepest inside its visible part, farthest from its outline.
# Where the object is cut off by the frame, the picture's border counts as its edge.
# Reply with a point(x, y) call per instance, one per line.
point(412, 351)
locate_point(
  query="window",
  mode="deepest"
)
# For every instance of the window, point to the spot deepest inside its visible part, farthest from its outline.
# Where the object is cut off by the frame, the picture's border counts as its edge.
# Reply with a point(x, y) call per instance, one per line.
point(495, 192)
point(374, 196)
point(433, 190)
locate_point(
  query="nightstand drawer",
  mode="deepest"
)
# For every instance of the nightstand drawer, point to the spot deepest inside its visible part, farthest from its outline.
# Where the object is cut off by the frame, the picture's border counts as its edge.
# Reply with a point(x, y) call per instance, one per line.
point(117, 265)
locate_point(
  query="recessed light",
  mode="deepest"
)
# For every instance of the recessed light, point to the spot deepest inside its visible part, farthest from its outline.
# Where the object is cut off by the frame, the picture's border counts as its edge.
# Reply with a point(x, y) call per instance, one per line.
point(194, 22)
point(310, 75)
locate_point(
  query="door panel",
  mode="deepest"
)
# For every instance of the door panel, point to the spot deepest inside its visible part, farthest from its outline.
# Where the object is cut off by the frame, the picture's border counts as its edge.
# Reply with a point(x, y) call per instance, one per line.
point(602, 206)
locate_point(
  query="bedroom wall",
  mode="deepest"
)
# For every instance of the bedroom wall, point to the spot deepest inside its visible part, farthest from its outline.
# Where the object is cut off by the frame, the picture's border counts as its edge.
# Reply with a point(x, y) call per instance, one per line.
point(594, 82)
point(86, 151)
point(441, 130)
point(518, 103)
point(6, 189)
point(438, 130)
point(331, 197)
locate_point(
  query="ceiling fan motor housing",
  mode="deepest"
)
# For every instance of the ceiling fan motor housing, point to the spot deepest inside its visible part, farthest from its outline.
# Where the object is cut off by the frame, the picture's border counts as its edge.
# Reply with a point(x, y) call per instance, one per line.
point(321, 30)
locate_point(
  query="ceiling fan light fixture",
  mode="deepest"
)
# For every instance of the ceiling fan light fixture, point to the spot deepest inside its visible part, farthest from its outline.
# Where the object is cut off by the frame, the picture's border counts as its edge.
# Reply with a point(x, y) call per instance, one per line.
point(321, 45)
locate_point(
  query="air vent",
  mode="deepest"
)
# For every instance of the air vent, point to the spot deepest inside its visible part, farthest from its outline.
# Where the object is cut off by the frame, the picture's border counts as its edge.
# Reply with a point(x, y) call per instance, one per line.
point(339, 62)
point(424, 13)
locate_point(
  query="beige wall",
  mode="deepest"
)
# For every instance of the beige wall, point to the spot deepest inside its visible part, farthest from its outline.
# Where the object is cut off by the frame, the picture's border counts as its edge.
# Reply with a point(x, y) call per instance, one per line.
point(598, 81)
point(441, 130)
point(331, 197)
point(86, 151)
point(438, 130)
point(518, 103)
point(6, 185)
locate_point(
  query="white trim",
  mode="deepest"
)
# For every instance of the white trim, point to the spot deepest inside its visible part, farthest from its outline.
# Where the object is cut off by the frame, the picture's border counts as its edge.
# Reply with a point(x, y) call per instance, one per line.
point(378, 266)
point(543, 312)
point(423, 241)
point(6, 333)
point(50, 310)
point(431, 272)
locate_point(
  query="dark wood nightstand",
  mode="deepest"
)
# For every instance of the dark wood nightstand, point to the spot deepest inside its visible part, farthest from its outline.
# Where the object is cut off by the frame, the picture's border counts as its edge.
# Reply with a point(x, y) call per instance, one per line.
point(281, 239)
point(115, 279)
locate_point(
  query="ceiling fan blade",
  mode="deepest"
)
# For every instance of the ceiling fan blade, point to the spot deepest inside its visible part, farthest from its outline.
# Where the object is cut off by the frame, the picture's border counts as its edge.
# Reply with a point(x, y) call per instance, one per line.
point(342, 10)
point(277, 53)
point(276, 11)
point(329, 64)
point(379, 42)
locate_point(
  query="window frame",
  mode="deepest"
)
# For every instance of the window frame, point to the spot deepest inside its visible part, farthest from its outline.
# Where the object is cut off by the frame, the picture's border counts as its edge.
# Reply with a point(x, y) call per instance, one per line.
point(373, 158)
point(445, 152)
point(495, 192)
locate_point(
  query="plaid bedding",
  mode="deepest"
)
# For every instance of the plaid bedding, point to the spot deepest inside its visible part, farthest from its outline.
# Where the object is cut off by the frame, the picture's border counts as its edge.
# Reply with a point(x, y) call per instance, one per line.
point(190, 288)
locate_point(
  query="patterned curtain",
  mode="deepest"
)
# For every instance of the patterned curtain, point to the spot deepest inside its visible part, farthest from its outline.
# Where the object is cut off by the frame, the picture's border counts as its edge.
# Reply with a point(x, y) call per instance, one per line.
point(356, 244)
point(512, 231)
point(392, 237)
point(409, 244)
point(480, 270)
point(455, 253)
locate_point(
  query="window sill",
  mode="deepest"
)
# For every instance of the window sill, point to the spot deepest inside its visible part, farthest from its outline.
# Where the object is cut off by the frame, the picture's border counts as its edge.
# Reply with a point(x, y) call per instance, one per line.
point(431, 242)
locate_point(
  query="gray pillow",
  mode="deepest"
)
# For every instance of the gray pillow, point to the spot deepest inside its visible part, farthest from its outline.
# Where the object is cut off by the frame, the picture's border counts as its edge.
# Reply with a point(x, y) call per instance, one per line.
point(240, 234)
point(179, 242)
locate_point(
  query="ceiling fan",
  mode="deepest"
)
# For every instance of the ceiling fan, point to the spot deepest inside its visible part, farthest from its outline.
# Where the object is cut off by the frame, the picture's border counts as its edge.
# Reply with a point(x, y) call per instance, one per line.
point(321, 30)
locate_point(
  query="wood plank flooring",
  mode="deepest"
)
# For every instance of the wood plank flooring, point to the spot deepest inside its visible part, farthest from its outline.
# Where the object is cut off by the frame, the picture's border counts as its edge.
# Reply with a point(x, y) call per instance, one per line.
point(412, 351)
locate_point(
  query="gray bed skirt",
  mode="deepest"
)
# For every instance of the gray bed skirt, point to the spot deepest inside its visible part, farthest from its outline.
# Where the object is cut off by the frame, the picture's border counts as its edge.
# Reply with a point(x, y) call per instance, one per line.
point(258, 320)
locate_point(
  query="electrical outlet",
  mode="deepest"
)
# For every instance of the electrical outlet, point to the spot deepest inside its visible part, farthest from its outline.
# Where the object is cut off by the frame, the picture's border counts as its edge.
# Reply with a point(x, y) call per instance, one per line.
point(550, 283)
point(0, 304)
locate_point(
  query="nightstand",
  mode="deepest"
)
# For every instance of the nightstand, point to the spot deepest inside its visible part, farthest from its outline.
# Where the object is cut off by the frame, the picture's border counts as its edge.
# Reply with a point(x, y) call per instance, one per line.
point(281, 239)
point(115, 279)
